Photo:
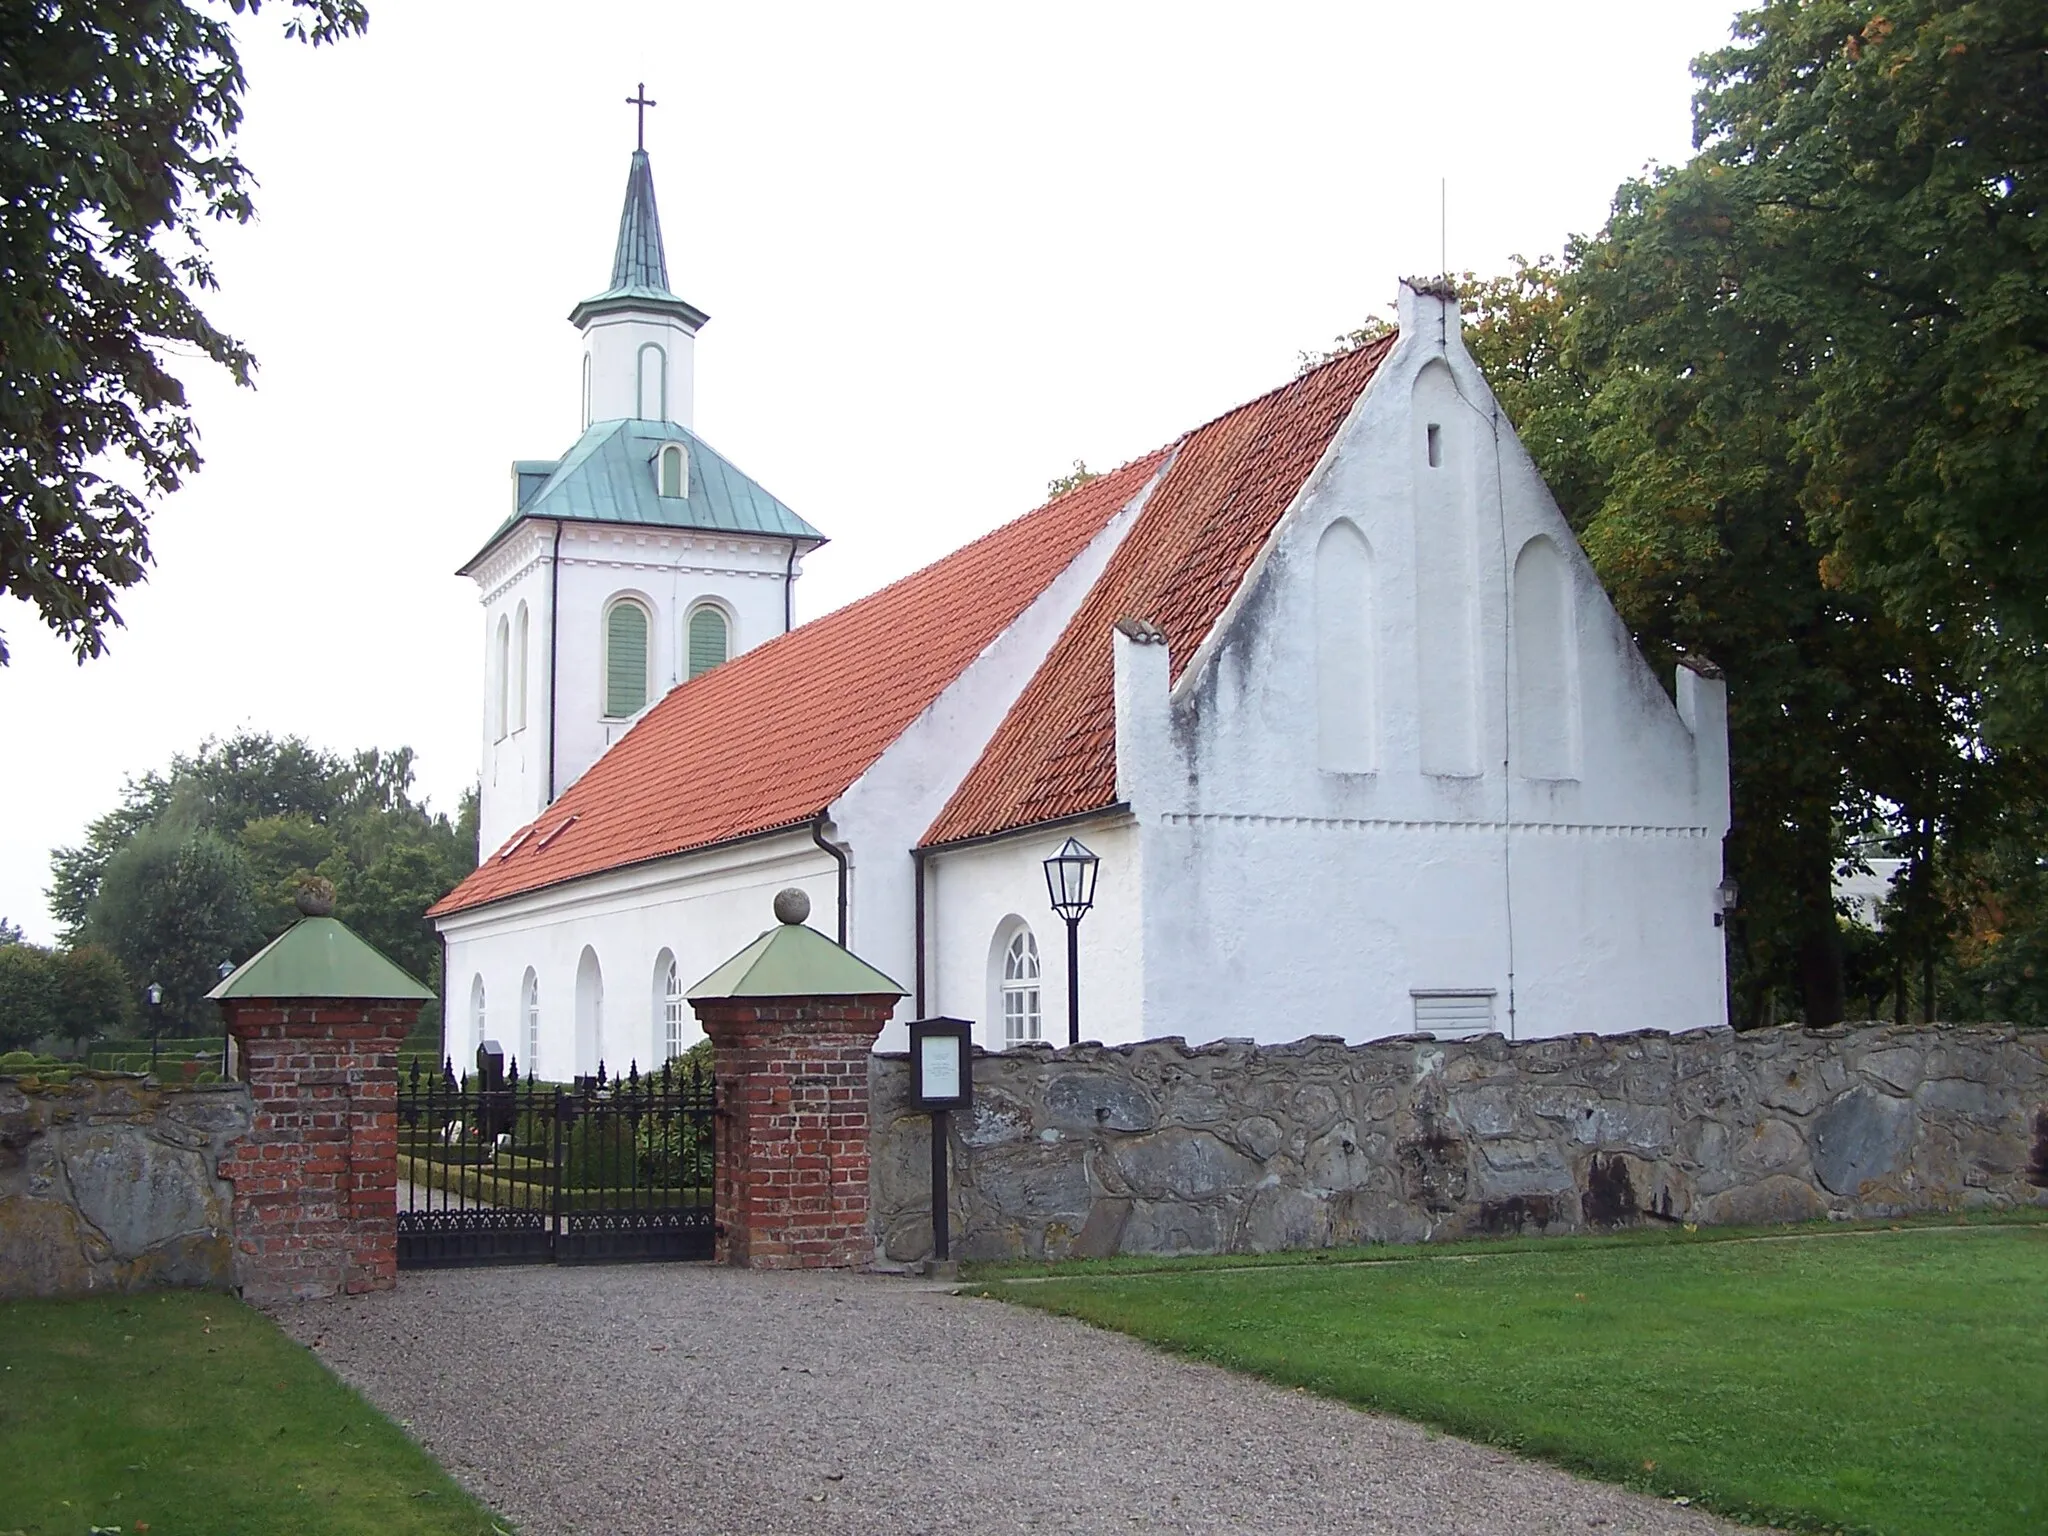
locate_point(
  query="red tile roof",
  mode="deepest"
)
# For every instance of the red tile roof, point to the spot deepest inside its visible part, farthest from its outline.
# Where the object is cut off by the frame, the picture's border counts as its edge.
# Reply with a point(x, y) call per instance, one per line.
point(774, 736)
point(1055, 753)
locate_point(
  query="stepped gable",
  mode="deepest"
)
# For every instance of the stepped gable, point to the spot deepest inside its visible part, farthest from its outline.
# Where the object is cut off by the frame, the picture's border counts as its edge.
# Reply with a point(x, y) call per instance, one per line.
point(771, 738)
point(1055, 753)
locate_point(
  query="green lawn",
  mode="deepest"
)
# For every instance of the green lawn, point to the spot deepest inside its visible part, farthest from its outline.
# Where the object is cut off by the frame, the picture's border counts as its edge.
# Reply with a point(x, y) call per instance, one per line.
point(188, 1414)
point(1892, 1382)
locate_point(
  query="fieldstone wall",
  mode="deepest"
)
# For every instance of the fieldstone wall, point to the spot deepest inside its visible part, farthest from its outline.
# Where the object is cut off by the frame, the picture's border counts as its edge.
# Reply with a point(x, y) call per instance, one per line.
point(109, 1182)
point(1161, 1149)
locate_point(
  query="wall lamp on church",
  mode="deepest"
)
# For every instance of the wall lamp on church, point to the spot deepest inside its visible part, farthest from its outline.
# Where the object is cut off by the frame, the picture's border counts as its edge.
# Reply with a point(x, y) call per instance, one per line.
point(1070, 881)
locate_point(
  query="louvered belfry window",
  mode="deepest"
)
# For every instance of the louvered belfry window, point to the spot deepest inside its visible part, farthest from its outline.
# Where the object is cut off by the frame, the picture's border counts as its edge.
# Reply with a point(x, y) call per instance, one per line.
point(625, 660)
point(707, 640)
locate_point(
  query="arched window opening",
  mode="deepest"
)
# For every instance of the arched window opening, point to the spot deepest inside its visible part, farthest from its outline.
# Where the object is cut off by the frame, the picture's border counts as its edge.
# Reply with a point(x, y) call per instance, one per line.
point(1546, 704)
point(671, 1012)
point(529, 1005)
point(589, 1013)
point(1023, 1020)
point(501, 677)
point(1346, 723)
point(625, 659)
point(476, 1013)
point(675, 470)
point(709, 640)
point(651, 398)
point(586, 390)
point(1446, 575)
point(521, 633)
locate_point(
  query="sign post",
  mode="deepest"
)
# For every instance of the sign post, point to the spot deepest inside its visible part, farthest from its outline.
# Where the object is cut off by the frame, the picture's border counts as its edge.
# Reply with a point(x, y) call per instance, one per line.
point(942, 1080)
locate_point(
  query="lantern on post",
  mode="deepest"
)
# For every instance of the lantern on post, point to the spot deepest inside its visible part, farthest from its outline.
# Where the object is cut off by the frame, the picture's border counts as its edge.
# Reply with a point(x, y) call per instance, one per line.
point(1070, 882)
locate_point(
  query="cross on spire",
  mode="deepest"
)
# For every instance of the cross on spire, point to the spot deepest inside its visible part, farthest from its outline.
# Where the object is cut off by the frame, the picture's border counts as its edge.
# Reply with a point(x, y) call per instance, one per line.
point(638, 100)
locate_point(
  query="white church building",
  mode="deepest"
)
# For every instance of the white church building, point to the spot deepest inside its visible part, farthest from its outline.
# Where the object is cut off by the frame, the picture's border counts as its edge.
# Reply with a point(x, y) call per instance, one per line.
point(1326, 684)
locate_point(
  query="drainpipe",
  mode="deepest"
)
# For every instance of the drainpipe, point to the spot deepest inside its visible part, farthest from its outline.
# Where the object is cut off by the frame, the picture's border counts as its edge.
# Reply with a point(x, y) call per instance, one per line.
point(839, 856)
point(554, 632)
point(789, 591)
point(917, 977)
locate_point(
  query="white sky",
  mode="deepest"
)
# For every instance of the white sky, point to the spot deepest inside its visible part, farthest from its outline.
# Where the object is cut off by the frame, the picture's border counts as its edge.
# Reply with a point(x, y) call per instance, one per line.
point(946, 250)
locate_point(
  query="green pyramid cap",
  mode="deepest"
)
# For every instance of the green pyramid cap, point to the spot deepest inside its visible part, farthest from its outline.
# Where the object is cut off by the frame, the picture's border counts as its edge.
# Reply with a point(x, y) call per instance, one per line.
point(792, 960)
point(319, 957)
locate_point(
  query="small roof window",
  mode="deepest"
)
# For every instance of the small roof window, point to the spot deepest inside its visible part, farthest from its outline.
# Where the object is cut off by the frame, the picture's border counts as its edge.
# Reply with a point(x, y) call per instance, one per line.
point(672, 470)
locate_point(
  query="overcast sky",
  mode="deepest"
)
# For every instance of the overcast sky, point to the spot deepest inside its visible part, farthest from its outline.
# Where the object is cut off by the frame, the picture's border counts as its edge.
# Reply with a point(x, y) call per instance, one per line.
point(946, 251)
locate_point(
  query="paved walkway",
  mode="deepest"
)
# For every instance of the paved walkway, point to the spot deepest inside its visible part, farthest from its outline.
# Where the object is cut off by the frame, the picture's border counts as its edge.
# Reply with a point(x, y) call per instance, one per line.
point(665, 1399)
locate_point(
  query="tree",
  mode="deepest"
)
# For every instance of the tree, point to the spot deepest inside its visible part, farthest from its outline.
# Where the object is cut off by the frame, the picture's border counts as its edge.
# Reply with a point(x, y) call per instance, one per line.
point(28, 995)
point(10, 933)
point(1072, 480)
point(117, 124)
point(172, 905)
point(94, 997)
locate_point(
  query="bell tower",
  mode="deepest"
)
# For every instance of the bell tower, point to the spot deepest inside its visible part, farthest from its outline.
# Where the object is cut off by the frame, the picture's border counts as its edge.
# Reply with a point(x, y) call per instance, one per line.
point(638, 337)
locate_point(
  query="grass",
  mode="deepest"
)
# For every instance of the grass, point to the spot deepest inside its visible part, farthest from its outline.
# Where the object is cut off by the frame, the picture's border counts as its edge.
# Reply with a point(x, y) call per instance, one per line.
point(186, 1413)
point(1894, 1382)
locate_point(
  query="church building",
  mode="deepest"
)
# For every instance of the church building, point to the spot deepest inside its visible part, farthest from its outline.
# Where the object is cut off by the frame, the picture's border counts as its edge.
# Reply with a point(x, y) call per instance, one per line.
point(1323, 693)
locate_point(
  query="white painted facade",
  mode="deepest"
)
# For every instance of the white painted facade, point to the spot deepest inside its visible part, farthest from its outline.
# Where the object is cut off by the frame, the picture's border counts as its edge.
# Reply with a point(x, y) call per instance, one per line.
point(638, 365)
point(1417, 771)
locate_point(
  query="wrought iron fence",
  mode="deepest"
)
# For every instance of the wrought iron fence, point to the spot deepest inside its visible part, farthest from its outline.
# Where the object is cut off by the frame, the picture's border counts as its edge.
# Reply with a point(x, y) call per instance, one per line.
point(510, 1171)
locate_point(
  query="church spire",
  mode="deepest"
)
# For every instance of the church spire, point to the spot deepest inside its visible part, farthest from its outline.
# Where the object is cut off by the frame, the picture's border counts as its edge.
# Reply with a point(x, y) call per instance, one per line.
point(639, 261)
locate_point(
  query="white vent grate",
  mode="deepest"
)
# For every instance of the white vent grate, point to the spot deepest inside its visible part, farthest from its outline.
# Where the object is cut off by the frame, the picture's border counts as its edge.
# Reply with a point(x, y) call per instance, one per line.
point(1451, 1014)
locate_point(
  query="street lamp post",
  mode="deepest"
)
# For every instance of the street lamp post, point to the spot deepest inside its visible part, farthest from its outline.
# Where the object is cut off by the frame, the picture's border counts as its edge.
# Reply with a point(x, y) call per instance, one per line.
point(155, 994)
point(1070, 882)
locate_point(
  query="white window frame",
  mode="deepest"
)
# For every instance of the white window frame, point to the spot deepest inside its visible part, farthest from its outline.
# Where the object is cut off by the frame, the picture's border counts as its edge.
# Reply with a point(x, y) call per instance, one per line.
point(673, 1011)
point(1021, 991)
point(530, 1006)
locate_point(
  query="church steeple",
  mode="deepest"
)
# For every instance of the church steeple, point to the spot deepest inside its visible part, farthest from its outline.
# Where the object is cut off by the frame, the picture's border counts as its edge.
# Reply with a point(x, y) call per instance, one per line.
point(638, 336)
point(639, 262)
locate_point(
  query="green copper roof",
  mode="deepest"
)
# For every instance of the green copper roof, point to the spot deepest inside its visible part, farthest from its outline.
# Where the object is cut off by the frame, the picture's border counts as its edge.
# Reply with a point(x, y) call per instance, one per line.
point(792, 960)
point(319, 957)
point(639, 266)
point(609, 477)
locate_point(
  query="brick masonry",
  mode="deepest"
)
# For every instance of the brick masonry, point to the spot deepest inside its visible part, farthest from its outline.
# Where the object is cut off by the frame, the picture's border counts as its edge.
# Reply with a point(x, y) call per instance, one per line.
point(316, 1178)
point(793, 1144)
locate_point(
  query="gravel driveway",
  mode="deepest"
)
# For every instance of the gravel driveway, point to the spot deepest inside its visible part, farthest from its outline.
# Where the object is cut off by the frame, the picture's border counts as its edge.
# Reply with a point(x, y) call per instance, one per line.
point(682, 1398)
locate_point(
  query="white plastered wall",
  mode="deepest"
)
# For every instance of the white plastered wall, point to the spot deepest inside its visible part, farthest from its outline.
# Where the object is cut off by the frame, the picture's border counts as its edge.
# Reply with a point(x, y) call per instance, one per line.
point(1283, 898)
point(703, 908)
point(627, 380)
point(971, 895)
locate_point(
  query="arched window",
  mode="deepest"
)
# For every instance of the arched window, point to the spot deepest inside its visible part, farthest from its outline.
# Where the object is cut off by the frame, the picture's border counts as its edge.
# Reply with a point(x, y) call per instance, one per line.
point(625, 659)
point(651, 399)
point(589, 1013)
point(709, 639)
point(501, 677)
point(529, 1005)
point(671, 1013)
point(1546, 703)
point(1022, 1019)
point(1446, 574)
point(520, 636)
point(674, 475)
point(476, 1012)
point(586, 390)
point(1345, 725)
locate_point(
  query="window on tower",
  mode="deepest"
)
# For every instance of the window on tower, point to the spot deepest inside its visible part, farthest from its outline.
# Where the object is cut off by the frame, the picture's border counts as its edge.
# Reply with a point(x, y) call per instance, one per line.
point(625, 659)
point(675, 471)
point(710, 639)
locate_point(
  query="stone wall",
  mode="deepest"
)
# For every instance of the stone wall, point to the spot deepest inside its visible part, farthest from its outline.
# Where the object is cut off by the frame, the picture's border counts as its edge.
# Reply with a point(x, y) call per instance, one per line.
point(112, 1183)
point(1157, 1148)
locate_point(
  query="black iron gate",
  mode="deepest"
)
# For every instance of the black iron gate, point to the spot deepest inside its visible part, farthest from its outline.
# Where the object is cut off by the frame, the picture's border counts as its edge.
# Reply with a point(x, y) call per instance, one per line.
point(513, 1172)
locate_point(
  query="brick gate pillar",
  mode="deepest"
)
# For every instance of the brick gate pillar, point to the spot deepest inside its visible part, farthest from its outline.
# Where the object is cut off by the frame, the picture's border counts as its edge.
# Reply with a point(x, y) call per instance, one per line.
point(317, 1017)
point(792, 1020)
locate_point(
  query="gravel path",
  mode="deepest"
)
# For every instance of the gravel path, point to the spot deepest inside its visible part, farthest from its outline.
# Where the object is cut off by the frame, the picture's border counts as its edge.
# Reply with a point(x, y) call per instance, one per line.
point(682, 1398)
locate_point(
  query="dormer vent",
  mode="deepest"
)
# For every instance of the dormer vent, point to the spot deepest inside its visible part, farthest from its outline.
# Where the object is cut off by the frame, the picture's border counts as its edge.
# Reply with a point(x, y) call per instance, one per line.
point(672, 471)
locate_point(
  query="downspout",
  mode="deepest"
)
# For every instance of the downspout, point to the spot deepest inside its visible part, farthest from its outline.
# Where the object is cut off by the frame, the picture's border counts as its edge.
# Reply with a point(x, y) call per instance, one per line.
point(789, 591)
point(554, 632)
point(917, 905)
point(839, 856)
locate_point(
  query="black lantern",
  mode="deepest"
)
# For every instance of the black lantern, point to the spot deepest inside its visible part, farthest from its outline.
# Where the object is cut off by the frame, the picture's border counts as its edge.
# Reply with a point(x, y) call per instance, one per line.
point(1070, 882)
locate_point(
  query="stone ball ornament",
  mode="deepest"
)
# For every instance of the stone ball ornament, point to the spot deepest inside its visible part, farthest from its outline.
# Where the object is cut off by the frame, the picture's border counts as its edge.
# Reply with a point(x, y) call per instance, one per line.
point(792, 905)
point(315, 897)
